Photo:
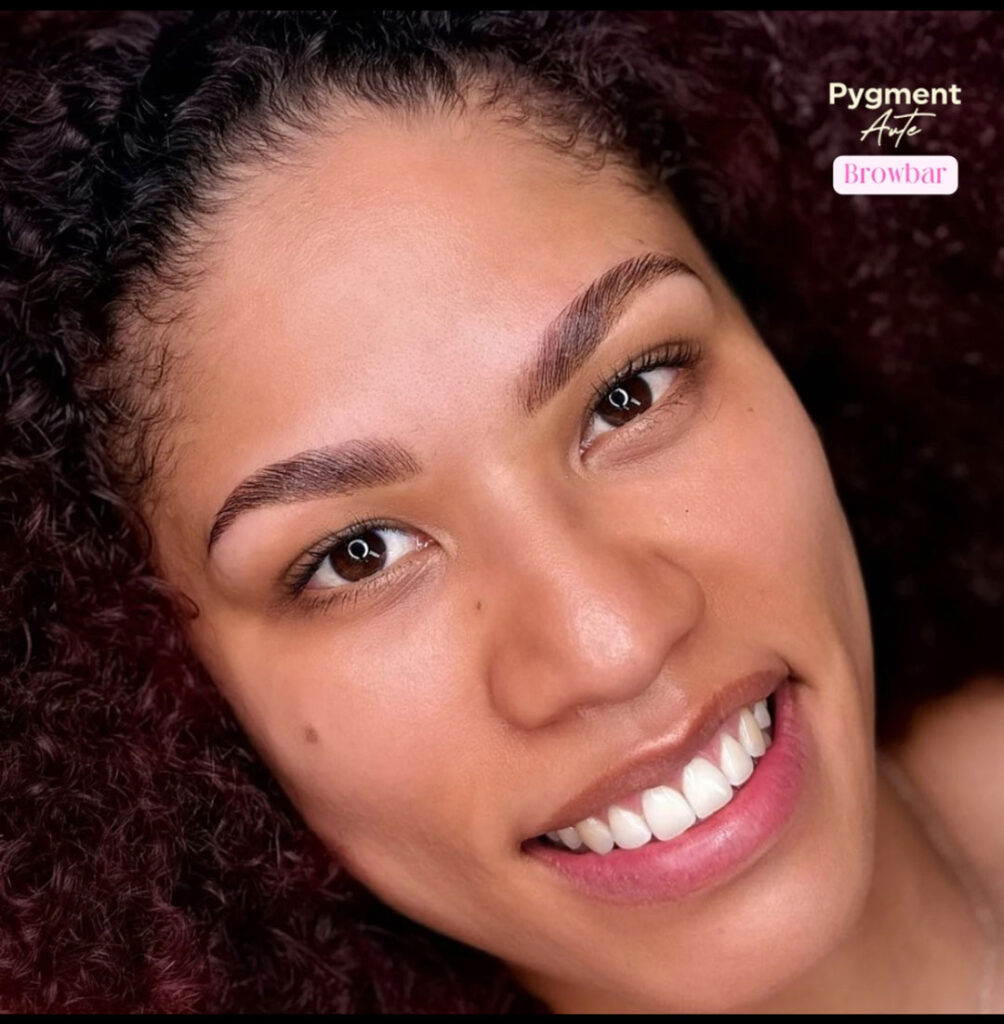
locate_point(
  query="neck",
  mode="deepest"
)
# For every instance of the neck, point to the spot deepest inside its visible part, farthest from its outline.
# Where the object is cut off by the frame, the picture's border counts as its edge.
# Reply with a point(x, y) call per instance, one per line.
point(919, 945)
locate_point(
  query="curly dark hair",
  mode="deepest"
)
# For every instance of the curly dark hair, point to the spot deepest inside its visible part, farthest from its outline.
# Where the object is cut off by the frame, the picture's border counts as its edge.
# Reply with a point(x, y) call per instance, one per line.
point(148, 861)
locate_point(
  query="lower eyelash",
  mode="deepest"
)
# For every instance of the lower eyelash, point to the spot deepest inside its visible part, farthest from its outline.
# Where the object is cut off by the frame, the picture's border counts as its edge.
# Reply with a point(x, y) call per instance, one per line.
point(301, 575)
point(673, 354)
point(344, 597)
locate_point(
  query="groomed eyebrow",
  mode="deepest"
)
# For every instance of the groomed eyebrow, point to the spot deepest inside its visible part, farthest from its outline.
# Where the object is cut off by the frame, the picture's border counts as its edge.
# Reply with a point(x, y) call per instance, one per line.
point(571, 337)
point(318, 473)
point(566, 344)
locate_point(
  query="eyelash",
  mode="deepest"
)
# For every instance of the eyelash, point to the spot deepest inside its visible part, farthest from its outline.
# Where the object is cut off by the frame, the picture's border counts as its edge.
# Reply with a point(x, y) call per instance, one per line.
point(313, 558)
point(675, 355)
point(682, 355)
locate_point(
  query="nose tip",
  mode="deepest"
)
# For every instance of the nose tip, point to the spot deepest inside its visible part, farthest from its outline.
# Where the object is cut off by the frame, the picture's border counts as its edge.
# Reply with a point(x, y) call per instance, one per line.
point(593, 627)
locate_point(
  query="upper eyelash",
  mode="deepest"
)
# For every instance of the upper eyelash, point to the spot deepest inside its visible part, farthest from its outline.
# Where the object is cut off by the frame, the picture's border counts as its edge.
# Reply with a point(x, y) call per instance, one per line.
point(313, 557)
point(681, 354)
point(670, 353)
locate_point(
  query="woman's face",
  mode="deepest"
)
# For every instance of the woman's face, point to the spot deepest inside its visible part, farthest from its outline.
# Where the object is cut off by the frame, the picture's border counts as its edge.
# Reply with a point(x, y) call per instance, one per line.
point(568, 566)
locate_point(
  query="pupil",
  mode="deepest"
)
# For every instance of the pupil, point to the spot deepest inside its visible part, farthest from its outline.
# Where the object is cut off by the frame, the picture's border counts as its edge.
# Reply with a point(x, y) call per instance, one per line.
point(359, 557)
point(358, 549)
point(626, 401)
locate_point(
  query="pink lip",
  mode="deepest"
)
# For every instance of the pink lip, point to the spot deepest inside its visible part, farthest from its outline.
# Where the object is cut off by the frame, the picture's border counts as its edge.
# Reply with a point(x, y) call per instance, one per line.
point(660, 760)
point(711, 851)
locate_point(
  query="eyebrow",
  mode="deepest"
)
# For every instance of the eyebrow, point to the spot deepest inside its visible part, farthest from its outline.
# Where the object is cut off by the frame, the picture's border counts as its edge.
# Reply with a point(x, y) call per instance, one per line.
point(567, 343)
point(571, 337)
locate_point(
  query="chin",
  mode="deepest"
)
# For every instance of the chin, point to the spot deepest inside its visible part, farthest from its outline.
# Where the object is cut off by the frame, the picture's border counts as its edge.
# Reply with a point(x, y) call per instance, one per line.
point(740, 929)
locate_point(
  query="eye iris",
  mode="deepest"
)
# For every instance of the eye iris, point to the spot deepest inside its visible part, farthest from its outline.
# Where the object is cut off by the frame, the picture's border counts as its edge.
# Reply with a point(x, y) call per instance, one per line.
point(359, 556)
point(625, 401)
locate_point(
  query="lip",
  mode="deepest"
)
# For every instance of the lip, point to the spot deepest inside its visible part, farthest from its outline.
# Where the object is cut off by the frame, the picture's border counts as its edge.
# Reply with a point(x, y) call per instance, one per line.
point(710, 852)
point(663, 760)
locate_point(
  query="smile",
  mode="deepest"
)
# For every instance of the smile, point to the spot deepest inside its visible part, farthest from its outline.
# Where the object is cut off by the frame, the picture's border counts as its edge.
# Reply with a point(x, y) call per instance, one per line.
point(705, 786)
point(677, 822)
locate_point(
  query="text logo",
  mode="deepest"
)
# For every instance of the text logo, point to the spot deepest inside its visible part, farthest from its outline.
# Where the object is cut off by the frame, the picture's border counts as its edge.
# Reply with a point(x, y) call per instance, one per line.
point(895, 175)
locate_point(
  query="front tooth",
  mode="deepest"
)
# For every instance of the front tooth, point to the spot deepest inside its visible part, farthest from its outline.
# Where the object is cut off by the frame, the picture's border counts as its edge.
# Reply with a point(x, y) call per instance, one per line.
point(736, 764)
point(750, 735)
point(570, 838)
point(629, 829)
point(761, 714)
point(595, 835)
point(705, 788)
point(667, 813)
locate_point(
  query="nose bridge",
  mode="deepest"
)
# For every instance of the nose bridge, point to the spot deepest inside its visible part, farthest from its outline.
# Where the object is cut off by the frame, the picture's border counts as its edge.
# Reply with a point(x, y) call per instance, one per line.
point(584, 607)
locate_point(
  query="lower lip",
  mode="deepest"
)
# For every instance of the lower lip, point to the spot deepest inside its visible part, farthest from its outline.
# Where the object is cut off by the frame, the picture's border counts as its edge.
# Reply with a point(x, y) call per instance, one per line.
point(712, 851)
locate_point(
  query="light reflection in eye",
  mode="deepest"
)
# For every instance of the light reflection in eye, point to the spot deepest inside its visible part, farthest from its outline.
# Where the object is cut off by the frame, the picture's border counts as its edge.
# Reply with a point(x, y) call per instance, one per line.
point(360, 558)
point(631, 399)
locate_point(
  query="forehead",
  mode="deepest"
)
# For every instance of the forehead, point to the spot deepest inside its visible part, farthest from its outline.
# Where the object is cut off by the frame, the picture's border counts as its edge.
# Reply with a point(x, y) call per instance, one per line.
point(381, 271)
point(443, 206)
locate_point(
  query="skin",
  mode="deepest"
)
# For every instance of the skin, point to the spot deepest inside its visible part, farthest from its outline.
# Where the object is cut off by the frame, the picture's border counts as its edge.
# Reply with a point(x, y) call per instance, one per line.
point(952, 756)
point(556, 608)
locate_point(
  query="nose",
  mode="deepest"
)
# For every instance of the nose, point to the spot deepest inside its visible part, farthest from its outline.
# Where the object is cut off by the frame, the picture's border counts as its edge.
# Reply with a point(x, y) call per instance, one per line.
point(583, 611)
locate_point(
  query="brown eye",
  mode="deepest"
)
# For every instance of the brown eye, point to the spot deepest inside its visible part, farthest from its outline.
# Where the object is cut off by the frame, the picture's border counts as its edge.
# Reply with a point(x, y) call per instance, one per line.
point(626, 401)
point(361, 555)
point(630, 398)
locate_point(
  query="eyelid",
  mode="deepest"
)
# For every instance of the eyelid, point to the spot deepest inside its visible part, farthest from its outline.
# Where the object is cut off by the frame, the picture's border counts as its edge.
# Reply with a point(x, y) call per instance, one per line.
point(294, 580)
point(379, 585)
point(681, 353)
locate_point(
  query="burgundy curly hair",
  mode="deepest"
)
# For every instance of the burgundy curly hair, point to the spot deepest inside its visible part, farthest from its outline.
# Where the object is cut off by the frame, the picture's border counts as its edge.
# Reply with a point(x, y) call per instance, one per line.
point(148, 862)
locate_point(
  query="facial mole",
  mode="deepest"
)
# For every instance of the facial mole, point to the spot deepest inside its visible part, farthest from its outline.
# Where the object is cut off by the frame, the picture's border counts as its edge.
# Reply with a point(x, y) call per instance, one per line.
point(311, 734)
point(477, 607)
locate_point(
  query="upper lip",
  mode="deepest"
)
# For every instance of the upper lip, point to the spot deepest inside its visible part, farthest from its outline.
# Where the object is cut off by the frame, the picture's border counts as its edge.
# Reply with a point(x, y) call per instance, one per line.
point(661, 759)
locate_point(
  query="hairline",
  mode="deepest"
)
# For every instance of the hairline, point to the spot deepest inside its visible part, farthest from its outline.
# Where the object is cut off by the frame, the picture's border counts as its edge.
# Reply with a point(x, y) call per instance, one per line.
point(152, 304)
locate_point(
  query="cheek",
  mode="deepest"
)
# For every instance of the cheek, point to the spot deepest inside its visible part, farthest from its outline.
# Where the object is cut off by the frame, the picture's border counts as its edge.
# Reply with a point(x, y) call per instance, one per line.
point(384, 736)
point(780, 569)
point(404, 776)
point(377, 735)
point(779, 548)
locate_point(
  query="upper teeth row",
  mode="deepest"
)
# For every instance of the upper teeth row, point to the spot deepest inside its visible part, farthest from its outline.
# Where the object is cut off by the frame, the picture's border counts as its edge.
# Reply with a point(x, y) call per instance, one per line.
point(666, 812)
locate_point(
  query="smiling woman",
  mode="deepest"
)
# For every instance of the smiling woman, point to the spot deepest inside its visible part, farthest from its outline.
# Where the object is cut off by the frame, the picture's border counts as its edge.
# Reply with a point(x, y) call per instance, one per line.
point(429, 589)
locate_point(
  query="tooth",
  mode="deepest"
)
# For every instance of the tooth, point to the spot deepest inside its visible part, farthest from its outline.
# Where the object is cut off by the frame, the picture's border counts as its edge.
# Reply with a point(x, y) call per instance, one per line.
point(570, 838)
point(629, 829)
point(705, 788)
point(750, 735)
point(666, 812)
point(736, 764)
point(553, 836)
point(595, 835)
point(761, 714)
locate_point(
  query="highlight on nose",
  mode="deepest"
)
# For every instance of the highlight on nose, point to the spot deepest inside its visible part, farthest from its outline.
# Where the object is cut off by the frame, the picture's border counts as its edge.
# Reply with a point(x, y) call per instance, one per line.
point(596, 637)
